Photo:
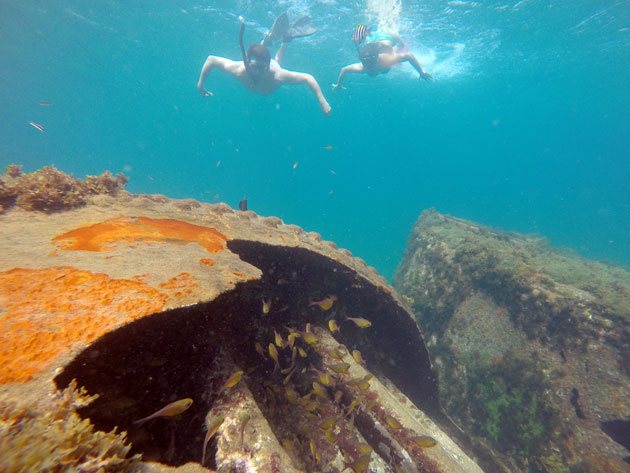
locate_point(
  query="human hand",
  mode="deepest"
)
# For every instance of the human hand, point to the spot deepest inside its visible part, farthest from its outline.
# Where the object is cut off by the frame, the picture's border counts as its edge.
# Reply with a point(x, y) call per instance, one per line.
point(204, 92)
point(337, 87)
point(326, 108)
point(426, 76)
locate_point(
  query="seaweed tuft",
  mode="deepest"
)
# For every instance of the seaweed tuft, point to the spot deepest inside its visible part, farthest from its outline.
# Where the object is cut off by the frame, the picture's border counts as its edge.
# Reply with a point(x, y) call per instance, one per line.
point(50, 190)
point(55, 438)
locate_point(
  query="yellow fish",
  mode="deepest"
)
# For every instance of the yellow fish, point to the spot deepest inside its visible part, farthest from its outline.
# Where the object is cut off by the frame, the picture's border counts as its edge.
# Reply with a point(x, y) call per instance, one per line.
point(310, 338)
point(314, 451)
point(273, 353)
point(233, 380)
point(356, 354)
point(291, 338)
point(328, 423)
point(361, 465)
point(393, 423)
point(330, 436)
point(213, 427)
point(365, 449)
point(360, 322)
point(340, 368)
point(278, 340)
point(170, 410)
point(424, 441)
point(266, 306)
point(319, 390)
point(326, 303)
point(332, 325)
point(259, 349)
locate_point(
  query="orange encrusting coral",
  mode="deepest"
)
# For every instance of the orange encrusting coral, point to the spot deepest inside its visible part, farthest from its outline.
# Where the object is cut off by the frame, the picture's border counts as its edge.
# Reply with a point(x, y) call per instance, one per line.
point(100, 236)
point(46, 311)
point(184, 283)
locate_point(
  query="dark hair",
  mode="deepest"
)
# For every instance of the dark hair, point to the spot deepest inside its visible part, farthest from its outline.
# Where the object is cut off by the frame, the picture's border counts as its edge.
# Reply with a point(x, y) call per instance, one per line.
point(258, 52)
point(369, 56)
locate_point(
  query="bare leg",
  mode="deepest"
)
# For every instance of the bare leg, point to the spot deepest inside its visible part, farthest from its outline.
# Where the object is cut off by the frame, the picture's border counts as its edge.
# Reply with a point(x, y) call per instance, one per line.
point(280, 53)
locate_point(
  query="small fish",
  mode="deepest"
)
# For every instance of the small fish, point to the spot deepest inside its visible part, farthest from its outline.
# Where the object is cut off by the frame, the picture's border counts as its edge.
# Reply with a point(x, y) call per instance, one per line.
point(319, 390)
point(330, 436)
point(328, 423)
point(266, 306)
point(359, 33)
point(295, 165)
point(326, 303)
point(424, 441)
point(333, 326)
point(213, 428)
point(233, 380)
point(38, 126)
point(324, 378)
point(361, 465)
point(360, 322)
point(291, 338)
point(273, 353)
point(314, 451)
point(44, 103)
point(278, 340)
point(356, 354)
point(328, 147)
point(302, 352)
point(393, 423)
point(310, 338)
point(365, 449)
point(259, 349)
point(170, 410)
point(340, 367)
point(242, 204)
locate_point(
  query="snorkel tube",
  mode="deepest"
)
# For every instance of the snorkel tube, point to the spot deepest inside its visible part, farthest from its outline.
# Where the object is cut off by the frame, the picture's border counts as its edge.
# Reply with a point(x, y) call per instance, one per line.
point(240, 42)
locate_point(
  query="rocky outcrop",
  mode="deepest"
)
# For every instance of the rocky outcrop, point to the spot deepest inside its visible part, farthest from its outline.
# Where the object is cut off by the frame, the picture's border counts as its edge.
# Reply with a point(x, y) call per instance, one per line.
point(531, 344)
point(300, 356)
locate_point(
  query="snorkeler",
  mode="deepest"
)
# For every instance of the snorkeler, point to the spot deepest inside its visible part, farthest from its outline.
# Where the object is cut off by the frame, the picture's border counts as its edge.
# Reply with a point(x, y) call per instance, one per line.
point(257, 71)
point(377, 54)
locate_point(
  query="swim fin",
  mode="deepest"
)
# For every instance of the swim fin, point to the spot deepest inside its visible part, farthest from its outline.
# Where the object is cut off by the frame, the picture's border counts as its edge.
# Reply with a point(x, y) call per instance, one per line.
point(301, 27)
point(278, 30)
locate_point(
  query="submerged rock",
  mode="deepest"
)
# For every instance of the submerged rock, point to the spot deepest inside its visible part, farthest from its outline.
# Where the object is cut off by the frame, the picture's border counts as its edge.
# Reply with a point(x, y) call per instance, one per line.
point(531, 345)
point(145, 301)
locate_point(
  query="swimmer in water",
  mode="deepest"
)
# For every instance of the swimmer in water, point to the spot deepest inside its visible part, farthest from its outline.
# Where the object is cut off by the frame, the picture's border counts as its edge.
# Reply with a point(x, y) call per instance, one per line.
point(377, 54)
point(257, 71)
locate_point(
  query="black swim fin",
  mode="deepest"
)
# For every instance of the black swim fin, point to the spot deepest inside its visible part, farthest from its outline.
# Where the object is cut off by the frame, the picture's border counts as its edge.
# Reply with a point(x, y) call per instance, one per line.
point(278, 30)
point(301, 27)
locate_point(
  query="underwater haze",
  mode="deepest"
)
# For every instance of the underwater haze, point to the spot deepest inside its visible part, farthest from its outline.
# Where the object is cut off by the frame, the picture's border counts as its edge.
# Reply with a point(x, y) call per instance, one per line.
point(526, 125)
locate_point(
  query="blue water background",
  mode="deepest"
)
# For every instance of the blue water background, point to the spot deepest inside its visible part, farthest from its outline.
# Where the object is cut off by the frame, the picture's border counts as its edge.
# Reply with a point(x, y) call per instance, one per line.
point(526, 126)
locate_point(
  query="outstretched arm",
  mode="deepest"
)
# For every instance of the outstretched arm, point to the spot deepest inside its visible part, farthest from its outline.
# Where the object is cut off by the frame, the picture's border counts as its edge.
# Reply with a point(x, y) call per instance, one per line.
point(289, 77)
point(231, 67)
point(409, 57)
point(354, 68)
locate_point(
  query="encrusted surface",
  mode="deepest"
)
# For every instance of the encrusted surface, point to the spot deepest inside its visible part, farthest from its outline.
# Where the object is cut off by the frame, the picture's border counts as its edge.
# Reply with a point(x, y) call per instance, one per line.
point(146, 300)
point(532, 345)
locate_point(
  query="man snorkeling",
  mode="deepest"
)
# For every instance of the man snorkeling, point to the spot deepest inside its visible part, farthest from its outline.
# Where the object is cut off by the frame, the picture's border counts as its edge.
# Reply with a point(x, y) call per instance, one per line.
point(377, 54)
point(257, 71)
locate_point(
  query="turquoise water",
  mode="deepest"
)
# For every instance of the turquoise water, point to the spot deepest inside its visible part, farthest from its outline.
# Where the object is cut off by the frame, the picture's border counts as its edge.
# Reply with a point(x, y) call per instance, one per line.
point(526, 126)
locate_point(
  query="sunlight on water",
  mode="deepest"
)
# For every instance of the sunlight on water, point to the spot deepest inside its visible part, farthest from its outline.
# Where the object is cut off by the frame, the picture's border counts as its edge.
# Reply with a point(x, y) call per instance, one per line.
point(386, 13)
